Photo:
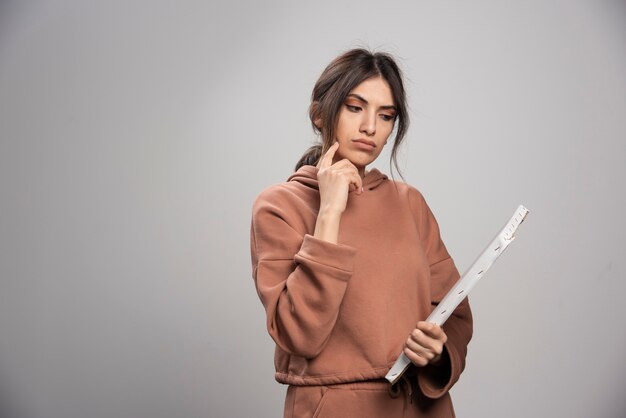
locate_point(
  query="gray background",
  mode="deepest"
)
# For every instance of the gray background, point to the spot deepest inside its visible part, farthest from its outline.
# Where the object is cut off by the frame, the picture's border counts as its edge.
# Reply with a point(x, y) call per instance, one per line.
point(136, 134)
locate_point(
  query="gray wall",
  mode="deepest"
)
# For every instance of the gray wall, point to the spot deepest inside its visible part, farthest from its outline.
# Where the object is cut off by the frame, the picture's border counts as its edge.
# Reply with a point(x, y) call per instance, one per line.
point(136, 134)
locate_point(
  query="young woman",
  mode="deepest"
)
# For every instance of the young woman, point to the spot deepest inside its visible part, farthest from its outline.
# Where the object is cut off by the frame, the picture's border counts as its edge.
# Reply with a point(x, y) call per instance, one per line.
point(348, 263)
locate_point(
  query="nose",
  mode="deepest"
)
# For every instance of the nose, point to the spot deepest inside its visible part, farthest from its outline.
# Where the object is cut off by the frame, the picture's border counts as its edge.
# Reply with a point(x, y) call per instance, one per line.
point(368, 124)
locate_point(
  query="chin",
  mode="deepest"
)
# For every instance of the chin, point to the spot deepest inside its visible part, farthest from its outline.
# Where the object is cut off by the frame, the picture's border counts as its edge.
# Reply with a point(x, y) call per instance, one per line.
point(361, 162)
point(358, 159)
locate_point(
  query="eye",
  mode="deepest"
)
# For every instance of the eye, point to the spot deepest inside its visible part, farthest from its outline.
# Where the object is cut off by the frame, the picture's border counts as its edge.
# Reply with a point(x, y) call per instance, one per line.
point(353, 108)
point(387, 117)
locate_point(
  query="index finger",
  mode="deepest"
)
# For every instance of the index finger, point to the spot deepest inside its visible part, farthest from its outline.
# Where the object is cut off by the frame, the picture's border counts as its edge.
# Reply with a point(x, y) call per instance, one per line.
point(431, 329)
point(327, 159)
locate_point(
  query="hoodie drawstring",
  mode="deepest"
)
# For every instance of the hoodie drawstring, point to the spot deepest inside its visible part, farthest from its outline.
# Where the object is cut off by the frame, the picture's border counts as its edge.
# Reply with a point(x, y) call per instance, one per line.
point(394, 390)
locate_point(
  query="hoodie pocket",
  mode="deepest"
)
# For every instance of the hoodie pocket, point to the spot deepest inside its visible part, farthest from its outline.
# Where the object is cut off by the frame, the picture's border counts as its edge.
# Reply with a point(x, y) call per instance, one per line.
point(320, 405)
point(304, 401)
point(358, 402)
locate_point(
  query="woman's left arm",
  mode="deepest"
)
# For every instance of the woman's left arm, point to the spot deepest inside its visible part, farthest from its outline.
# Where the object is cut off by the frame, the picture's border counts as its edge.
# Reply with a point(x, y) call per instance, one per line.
point(438, 352)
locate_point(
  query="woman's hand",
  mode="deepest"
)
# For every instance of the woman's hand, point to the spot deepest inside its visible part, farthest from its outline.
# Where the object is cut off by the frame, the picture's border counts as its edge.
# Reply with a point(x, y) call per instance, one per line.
point(334, 182)
point(425, 344)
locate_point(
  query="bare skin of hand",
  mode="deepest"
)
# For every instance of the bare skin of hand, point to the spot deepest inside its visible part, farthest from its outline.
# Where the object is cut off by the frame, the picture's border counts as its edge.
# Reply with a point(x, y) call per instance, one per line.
point(334, 182)
point(425, 344)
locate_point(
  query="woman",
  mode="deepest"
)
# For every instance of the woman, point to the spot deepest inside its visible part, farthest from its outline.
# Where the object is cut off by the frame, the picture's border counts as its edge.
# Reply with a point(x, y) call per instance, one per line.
point(348, 263)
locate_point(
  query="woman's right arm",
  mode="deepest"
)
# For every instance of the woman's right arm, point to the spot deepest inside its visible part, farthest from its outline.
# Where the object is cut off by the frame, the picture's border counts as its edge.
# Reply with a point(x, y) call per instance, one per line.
point(301, 280)
point(334, 183)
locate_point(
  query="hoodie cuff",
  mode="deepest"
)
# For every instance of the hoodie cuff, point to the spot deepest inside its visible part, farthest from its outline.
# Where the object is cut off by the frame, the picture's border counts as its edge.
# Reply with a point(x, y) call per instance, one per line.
point(337, 256)
point(435, 381)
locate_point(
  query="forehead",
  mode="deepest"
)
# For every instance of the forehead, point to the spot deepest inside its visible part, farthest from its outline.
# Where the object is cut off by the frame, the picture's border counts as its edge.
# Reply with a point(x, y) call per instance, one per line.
point(375, 90)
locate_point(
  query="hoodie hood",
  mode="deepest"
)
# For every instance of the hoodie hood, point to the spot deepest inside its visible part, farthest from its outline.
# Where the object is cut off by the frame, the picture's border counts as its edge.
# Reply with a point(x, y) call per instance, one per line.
point(307, 175)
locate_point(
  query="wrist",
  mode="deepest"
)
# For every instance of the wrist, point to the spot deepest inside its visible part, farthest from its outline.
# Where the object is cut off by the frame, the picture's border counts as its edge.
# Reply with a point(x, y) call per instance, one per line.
point(327, 226)
point(329, 211)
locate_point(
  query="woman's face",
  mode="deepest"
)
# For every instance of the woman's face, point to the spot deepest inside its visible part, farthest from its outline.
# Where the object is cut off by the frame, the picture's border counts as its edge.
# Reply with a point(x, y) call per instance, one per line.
point(366, 120)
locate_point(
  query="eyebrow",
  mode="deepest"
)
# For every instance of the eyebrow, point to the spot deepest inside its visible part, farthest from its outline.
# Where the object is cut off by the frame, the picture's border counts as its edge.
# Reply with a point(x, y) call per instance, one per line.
point(362, 99)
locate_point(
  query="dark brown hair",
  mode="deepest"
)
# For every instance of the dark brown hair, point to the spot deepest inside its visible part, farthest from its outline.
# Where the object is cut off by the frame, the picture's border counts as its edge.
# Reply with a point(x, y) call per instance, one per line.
point(342, 75)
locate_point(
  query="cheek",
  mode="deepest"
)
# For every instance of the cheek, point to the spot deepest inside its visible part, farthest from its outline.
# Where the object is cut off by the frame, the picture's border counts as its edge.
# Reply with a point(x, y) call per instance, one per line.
point(387, 134)
point(347, 122)
point(389, 128)
point(339, 129)
point(343, 134)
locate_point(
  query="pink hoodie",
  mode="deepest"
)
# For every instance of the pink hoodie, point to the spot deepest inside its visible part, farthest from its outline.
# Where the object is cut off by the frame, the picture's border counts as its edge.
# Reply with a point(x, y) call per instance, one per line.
point(342, 312)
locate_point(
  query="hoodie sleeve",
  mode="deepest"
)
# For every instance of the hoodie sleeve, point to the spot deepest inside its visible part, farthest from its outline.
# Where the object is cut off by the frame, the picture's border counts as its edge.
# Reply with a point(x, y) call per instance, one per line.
point(435, 381)
point(300, 279)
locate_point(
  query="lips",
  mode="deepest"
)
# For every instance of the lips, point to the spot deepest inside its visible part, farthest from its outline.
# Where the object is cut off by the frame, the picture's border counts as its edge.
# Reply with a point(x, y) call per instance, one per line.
point(365, 141)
